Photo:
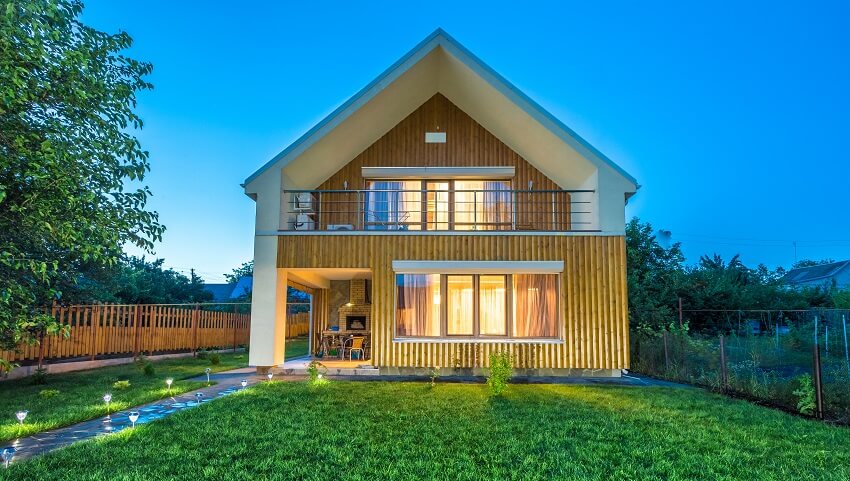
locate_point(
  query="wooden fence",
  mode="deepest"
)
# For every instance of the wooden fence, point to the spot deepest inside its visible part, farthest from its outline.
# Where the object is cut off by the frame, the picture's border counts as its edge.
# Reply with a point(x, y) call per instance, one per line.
point(298, 324)
point(113, 330)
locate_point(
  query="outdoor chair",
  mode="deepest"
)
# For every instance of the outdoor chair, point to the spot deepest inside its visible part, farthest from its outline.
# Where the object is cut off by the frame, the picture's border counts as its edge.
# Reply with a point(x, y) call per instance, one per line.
point(351, 345)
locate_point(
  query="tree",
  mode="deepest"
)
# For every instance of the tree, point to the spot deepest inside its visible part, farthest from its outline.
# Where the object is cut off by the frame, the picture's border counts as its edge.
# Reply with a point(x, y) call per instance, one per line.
point(245, 270)
point(67, 158)
point(655, 274)
point(811, 262)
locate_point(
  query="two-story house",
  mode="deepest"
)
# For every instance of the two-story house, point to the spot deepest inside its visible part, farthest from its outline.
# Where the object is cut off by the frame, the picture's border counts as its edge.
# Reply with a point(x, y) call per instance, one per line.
point(462, 217)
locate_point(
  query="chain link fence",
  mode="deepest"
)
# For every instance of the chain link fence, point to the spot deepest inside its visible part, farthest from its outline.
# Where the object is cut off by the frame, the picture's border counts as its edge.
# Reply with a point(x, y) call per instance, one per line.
point(794, 360)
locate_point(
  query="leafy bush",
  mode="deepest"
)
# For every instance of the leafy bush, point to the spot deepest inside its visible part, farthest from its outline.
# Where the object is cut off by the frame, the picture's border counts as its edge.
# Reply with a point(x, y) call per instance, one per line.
point(316, 371)
point(501, 370)
point(435, 373)
point(805, 394)
point(141, 362)
point(149, 370)
point(215, 358)
point(48, 393)
point(121, 385)
point(202, 354)
point(39, 376)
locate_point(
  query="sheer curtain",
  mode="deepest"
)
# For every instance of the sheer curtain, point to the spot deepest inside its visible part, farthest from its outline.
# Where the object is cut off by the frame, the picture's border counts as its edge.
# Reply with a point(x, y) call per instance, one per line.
point(492, 312)
point(418, 305)
point(496, 207)
point(459, 308)
point(482, 205)
point(394, 205)
point(535, 305)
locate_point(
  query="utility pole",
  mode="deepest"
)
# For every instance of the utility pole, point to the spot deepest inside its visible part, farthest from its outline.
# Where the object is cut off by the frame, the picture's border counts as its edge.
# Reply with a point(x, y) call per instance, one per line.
point(795, 251)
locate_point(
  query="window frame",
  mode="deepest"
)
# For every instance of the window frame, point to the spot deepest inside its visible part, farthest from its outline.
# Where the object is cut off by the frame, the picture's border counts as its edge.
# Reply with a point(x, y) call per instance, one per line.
point(476, 333)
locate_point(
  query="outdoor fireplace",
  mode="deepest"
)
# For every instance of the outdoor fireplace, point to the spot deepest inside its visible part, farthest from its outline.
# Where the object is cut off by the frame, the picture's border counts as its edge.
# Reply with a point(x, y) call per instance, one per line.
point(355, 323)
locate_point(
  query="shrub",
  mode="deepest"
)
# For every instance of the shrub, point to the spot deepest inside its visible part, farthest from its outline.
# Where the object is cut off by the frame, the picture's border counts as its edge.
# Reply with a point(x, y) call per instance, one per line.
point(215, 358)
point(805, 394)
point(501, 370)
point(202, 354)
point(39, 376)
point(316, 371)
point(149, 370)
point(435, 373)
point(48, 393)
point(121, 385)
point(141, 362)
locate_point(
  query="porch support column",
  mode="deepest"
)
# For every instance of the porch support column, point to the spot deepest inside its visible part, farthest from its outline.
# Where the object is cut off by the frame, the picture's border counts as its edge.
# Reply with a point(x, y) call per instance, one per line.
point(268, 306)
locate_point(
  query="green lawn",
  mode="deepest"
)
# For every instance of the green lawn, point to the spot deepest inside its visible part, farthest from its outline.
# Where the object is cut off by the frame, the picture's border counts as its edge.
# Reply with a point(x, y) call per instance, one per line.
point(388, 431)
point(80, 393)
point(296, 347)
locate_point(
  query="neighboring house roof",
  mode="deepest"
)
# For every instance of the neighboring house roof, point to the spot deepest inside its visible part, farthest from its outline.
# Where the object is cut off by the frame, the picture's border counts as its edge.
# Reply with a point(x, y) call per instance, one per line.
point(226, 292)
point(220, 292)
point(820, 272)
point(242, 288)
point(439, 38)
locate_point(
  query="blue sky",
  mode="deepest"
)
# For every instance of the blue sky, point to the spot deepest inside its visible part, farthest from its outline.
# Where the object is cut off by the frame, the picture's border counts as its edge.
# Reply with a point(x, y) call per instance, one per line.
point(734, 118)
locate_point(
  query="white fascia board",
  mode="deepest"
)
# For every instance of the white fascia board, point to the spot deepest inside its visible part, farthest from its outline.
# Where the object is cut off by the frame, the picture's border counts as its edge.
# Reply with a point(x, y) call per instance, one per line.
point(478, 267)
point(503, 172)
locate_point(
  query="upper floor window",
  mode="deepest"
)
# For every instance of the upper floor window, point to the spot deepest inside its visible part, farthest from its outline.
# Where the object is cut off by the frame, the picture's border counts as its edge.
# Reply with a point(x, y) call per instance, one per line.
point(438, 205)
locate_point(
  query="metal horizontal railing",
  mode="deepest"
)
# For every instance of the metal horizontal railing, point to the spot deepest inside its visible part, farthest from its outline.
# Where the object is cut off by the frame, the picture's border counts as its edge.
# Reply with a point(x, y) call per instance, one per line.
point(439, 210)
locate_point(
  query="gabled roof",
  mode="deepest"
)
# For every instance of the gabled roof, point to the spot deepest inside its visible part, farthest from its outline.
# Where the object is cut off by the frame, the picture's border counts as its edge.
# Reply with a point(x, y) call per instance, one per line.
point(242, 288)
point(439, 38)
point(220, 292)
point(815, 273)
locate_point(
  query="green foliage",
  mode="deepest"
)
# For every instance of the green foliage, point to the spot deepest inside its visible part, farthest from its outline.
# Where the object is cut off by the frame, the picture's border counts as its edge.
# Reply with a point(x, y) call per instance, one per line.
point(501, 370)
point(48, 393)
point(841, 299)
point(316, 372)
point(805, 394)
point(215, 358)
point(39, 376)
point(141, 362)
point(201, 354)
point(434, 375)
point(121, 385)
point(149, 369)
point(67, 155)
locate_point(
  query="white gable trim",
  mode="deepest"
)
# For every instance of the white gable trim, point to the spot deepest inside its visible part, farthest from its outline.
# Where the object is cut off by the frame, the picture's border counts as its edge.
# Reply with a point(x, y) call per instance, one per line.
point(441, 38)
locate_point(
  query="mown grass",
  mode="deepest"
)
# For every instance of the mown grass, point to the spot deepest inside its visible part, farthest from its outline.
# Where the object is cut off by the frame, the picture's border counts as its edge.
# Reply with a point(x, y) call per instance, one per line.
point(296, 347)
point(80, 393)
point(408, 431)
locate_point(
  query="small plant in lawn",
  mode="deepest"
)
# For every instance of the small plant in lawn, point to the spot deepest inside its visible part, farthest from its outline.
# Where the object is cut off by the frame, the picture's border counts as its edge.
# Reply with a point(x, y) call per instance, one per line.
point(48, 393)
point(805, 395)
point(202, 354)
point(141, 362)
point(435, 373)
point(215, 358)
point(317, 371)
point(149, 370)
point(501, 370)
point(121, 385)
point(39, 376)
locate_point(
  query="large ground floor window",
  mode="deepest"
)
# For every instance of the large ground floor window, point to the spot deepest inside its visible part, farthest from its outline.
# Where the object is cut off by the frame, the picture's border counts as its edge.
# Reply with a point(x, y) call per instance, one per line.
point(477, 305)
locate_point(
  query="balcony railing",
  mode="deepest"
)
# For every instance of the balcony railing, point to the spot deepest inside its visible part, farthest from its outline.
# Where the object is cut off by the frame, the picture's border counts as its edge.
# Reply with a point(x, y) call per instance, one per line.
point(439, 210)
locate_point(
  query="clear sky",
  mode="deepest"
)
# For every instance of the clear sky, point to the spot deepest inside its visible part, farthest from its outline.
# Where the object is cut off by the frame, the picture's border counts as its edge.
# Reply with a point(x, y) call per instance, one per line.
point(734, 117)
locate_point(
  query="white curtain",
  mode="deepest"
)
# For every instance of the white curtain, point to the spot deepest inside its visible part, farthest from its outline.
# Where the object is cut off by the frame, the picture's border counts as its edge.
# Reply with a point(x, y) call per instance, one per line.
point(492, 312)
point(482, 205)
point(460, 305)
point(394, 205)
point(418, 305)
point(535, 305)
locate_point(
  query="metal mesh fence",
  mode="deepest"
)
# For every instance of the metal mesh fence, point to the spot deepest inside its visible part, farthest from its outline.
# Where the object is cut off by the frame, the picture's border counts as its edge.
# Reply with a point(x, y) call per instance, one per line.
point(764, 356)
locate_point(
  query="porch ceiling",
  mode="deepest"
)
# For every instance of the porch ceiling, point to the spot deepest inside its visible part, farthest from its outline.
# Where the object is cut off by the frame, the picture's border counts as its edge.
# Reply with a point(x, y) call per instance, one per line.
point(319, 278)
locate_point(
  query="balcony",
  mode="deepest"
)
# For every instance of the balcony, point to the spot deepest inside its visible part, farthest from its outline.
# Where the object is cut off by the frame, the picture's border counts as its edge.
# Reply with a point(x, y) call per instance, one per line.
point(439, 210)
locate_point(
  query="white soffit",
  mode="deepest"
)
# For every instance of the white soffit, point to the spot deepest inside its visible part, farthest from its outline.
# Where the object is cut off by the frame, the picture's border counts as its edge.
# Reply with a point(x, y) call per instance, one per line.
point(438, 172)
point(478, 267)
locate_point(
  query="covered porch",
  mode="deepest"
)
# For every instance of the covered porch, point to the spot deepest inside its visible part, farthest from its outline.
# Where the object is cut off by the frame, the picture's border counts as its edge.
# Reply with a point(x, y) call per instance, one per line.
point(338, 323)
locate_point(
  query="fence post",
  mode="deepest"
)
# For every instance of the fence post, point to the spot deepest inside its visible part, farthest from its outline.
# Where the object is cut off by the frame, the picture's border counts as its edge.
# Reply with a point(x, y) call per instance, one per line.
point(235, 322)
point(818, 382)
point(195, 313)
point(95, 326)
point(136, 331)
point(666, 354)
point(846, 352)
point(724, 375)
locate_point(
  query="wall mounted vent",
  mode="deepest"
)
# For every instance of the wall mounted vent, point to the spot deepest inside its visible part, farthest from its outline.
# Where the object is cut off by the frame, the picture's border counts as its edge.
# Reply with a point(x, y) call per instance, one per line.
point(435, 137)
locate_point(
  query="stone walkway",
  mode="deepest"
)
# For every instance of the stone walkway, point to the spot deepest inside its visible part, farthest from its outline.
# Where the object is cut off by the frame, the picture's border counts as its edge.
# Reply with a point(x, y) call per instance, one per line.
point(227, 382)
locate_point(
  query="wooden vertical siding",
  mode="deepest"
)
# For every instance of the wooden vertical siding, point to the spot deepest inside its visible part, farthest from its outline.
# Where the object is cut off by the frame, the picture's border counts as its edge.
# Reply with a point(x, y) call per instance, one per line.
point(468, 144)
point(593, 300)
point(107, 330)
